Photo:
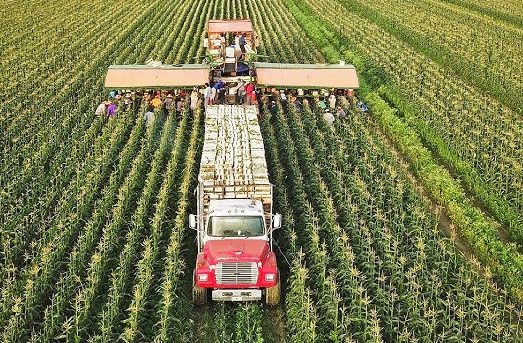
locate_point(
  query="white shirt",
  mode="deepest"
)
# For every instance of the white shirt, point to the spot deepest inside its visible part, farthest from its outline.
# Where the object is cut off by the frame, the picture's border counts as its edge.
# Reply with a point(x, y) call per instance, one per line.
point(329, 118)
point(208, 92)
point(194, 100)
point(100, 110)
point(148, 117)
point(332, 101)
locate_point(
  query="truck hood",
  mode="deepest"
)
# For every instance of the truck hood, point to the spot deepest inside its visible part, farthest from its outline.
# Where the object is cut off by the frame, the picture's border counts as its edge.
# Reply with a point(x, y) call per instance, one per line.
point(235, 249)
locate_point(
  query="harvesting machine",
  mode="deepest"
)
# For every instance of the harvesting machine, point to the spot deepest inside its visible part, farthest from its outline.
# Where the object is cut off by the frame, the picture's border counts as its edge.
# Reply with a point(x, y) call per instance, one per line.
point(234, 223)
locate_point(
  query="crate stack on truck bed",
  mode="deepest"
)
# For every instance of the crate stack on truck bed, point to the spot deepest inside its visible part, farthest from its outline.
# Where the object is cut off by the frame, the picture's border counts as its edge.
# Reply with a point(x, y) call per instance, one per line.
point(233, 159)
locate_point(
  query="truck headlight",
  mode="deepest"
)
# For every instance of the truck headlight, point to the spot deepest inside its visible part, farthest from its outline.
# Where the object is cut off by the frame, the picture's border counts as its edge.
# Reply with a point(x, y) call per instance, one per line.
point(203, 277)
point(270, 277)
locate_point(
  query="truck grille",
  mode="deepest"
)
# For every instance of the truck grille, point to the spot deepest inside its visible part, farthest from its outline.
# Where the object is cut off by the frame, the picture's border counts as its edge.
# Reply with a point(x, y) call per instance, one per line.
point(233, 273)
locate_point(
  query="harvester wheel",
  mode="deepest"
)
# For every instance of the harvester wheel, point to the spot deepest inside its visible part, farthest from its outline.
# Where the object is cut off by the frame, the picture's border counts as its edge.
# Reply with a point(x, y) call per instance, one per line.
point(272, 294)
point(199, 294)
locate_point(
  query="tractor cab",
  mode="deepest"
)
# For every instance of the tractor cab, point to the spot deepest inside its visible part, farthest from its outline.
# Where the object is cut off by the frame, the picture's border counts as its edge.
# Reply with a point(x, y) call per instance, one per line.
point(231, 45)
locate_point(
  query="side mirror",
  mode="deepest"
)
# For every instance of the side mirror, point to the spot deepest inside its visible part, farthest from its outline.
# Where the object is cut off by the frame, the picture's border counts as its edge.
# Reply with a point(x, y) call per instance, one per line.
point(192, 221)
point(276, 221)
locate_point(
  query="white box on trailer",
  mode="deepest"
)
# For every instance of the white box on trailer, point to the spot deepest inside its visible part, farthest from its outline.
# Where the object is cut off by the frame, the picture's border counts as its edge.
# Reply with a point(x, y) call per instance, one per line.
point(233, 159)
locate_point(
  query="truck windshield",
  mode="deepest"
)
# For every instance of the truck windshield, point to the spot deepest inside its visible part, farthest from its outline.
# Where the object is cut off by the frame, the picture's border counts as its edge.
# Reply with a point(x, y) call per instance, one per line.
point(241, 226)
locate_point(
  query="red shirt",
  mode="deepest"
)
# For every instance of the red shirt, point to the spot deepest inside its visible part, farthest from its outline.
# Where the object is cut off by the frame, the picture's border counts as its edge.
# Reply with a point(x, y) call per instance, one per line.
point(249, 89)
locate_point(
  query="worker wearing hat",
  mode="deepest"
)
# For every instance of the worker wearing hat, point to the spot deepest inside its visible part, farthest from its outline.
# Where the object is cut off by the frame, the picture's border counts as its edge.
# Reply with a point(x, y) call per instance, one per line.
point(168, 103)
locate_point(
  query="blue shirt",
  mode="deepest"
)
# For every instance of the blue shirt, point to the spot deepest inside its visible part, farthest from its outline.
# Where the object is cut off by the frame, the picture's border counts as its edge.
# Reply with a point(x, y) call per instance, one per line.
point(242, 40)
point(219, 85)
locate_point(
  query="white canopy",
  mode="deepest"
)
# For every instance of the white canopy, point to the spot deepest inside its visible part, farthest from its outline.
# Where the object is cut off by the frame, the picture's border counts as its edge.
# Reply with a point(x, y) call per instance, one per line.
point(144, 76)
point(306, 75)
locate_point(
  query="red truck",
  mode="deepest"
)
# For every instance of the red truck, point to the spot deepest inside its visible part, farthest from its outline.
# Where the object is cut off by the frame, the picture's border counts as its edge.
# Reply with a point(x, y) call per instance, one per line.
point(234, 223)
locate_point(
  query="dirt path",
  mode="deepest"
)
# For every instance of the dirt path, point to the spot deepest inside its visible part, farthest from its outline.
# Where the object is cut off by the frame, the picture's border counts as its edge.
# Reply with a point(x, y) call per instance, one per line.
point(274, 324)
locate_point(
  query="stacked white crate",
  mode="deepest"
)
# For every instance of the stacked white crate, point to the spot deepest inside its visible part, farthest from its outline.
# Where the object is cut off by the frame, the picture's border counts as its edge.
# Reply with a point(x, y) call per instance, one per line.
point(233, 159)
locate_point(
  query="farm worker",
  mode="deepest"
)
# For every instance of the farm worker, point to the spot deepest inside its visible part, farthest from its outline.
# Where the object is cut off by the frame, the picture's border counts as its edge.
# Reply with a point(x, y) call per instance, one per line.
point(216, 90)
point(137, 102)
point(168, 103)
point(207, 94)
point(220, 89)
point(296, 103)
point(322, 105)
point(305, 102)
point(156, 102)
point(149, 116)
point(242, 45)
point(146, 98)
point(340, 112)
point(329, 118)
point(222, 45)
point(237, 49)
point(179, 106)
point(350, 94)
point(213, 95)
point(100, 110)
point(332, 101)
point(237, 40)
point(249, 91)
point(362, 107)
point(111, 110)
point(283, 98)
point(241, 90)
point(194, 99)
point(273, 108)
point(128, 100)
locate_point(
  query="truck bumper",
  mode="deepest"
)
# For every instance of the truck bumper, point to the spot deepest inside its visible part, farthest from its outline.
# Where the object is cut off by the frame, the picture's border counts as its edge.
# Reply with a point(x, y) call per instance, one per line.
point(236, 294)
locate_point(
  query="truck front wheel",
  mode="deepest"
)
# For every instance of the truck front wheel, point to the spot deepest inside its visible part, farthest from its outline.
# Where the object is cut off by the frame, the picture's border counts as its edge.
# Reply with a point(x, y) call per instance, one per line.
point(272, 294)
point(199, 294)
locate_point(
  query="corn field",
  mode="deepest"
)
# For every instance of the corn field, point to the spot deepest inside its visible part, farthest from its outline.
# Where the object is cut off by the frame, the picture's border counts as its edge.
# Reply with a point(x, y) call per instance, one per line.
point(403, 224)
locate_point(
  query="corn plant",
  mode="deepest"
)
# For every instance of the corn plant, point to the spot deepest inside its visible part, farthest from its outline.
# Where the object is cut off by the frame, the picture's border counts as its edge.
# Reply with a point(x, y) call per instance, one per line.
point(474, 132)
point(145, 266)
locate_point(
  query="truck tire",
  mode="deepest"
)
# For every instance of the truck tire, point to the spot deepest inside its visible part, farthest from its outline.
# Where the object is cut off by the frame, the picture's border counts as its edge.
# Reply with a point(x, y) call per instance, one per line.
point(272, 294)
point(199, 294)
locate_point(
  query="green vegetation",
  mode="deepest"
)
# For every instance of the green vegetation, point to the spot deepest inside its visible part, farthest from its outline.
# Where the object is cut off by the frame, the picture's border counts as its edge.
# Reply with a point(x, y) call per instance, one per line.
point(94, 245)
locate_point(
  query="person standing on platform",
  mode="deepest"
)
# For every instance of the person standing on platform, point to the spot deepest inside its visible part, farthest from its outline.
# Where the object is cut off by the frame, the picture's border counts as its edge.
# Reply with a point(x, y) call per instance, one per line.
point(207, 94)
